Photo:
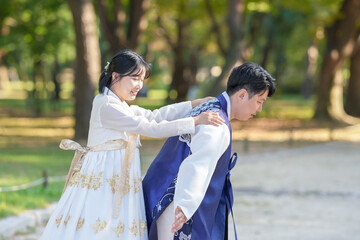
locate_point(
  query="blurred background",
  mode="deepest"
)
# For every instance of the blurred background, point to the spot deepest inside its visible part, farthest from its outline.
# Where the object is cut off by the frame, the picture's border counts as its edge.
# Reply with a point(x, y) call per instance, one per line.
point(53, 52)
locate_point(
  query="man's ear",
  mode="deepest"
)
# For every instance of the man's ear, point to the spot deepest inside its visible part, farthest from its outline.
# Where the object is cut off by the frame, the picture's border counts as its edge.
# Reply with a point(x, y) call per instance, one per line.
point(241, 93)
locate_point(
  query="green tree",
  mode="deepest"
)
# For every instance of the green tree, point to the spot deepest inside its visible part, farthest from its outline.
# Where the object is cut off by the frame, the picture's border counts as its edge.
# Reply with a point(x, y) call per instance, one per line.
point(353, 91)
point(233, 50)
point(122, 22)
point(87, 69)
point(35, 38)
point(340, 45)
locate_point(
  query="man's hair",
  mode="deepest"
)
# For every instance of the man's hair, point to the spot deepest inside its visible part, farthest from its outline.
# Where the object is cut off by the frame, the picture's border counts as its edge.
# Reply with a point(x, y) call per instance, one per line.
point(251, 77)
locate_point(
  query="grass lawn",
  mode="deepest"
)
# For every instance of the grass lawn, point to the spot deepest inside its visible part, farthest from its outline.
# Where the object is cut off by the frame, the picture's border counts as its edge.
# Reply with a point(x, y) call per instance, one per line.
point(25, 163)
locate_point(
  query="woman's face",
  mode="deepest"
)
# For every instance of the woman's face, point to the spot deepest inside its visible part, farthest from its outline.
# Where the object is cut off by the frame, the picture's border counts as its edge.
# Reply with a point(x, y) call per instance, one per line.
point(126, 88)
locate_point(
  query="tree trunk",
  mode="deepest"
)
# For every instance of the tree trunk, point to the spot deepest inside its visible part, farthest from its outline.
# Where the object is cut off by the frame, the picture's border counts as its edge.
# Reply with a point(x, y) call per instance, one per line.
point(4, 76)
point(55, 95)
point(180, 80)
point(35, 100)
point(234, 51)
point(4, 72)
point(87, 63)
point(137, 22)
point(336, 109)
point(353, 92)
point(340, 44)
point(308, 85)
point(112, 30)
point(267, 48)
point(115, 30)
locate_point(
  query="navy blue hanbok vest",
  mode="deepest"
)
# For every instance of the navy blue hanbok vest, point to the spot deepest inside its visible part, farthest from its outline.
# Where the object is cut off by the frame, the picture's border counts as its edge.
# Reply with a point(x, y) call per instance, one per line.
point(210, 219)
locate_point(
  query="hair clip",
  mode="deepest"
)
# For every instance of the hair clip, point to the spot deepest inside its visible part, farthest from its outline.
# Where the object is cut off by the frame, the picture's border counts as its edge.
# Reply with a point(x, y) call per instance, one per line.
point(107, 66)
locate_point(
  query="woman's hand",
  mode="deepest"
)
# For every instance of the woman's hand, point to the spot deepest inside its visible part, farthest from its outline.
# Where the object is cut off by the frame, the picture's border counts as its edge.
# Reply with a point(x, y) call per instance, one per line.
point(209, 117)
point(199, 101)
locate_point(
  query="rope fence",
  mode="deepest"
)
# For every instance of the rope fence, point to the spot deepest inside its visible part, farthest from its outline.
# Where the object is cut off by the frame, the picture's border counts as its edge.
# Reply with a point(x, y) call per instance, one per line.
point(44, 181)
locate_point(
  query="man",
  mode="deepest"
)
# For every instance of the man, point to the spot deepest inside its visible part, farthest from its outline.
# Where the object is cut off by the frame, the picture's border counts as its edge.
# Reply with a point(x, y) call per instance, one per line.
point(187, 188)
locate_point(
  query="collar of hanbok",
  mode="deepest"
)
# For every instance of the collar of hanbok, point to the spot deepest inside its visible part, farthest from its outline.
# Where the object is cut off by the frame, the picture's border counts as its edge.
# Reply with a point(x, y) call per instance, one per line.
point(227, 98)
point(108, 92)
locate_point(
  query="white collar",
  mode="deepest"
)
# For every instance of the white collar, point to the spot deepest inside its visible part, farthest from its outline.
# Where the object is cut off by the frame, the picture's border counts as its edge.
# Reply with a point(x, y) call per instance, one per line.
point(107, 91)
point(227, 98)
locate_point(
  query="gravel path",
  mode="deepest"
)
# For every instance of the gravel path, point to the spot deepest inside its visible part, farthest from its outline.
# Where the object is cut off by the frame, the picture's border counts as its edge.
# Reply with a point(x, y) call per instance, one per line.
point(309, 193)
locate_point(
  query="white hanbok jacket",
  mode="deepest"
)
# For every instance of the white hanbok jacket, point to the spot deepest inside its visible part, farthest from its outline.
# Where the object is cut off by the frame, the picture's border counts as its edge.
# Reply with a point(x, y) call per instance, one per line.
point(85, 210)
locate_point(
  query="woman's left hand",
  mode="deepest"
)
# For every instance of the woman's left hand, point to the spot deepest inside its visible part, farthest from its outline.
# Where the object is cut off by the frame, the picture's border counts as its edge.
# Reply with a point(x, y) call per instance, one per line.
point(199, 101)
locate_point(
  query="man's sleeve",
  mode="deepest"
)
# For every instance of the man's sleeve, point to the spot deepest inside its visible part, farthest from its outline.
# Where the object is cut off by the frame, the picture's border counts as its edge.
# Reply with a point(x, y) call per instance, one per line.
point(207, 146)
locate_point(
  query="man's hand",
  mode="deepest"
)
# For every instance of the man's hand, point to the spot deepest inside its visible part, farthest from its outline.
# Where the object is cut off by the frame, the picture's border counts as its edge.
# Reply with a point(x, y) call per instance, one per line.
point(180, 219)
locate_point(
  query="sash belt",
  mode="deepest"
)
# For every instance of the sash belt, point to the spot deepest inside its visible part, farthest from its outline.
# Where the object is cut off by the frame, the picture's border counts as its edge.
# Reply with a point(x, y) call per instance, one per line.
point(229, 192)
point(118, 144)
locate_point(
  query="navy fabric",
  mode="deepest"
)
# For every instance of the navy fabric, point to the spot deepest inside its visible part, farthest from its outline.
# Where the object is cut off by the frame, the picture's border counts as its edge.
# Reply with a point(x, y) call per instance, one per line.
point(210, 219)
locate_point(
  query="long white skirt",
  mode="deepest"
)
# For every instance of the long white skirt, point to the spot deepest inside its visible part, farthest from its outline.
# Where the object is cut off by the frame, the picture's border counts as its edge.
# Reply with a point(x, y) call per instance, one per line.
point(85, 210)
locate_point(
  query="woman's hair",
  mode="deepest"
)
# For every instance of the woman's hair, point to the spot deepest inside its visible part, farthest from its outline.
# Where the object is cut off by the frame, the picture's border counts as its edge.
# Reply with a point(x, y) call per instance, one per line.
point(251, 77)
point(126, 63)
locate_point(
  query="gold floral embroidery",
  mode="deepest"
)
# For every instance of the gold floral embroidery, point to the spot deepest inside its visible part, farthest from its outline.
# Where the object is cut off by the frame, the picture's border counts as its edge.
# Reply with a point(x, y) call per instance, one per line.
point(119, 229)
point(114, 182)
point(142, 227)
point(67, 220)
point(80, 223)
point(75, 179)
point(137, 182)
point(98, 226)
point(90, 181)
point(126, 183)
point(58, 221)
point(133, 229)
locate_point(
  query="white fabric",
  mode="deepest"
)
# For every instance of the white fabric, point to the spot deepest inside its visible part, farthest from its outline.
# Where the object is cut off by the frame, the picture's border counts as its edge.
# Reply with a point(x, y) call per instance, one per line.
point(114, 119)
point(166, 220)
point(84, 212)
point(207, 146)
point(227, 98)
point(195, 172)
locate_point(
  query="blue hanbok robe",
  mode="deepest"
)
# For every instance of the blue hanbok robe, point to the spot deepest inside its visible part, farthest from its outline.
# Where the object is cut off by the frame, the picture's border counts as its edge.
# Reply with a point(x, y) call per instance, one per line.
point(210, 219)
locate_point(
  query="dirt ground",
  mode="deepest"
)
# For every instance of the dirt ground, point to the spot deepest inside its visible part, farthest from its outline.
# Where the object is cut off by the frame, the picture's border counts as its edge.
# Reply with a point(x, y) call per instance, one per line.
point(308, 193)
point(288, 189)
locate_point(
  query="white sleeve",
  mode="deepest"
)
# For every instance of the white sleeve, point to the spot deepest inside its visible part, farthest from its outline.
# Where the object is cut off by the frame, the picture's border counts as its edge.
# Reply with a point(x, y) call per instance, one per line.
point(207, 145)
point(113, 116)
point(169, 112)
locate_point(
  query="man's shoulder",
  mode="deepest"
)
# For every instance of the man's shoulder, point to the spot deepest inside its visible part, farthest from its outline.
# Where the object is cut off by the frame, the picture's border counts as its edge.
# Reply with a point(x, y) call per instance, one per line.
point(211, 105)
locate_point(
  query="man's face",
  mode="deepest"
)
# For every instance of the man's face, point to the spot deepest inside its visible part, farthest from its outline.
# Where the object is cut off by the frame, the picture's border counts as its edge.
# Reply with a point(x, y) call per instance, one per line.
point(243, 107)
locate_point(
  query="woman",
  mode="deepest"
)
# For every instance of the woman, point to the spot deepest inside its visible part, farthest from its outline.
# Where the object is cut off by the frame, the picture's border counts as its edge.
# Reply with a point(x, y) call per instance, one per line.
point(103, 196)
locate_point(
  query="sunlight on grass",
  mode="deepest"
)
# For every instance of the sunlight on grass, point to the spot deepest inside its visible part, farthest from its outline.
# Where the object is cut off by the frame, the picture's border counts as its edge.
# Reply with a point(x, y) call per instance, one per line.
point(288, 108)
point(24, 165)
point(61, 122)
point(38, 132)
point(13, 203)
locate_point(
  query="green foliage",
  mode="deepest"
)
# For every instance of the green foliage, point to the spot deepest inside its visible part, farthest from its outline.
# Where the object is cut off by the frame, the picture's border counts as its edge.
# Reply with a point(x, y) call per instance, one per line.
point(288, 107)
point(21, 165)
point(16, 202)
point(43, 31)
point(38, 31)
